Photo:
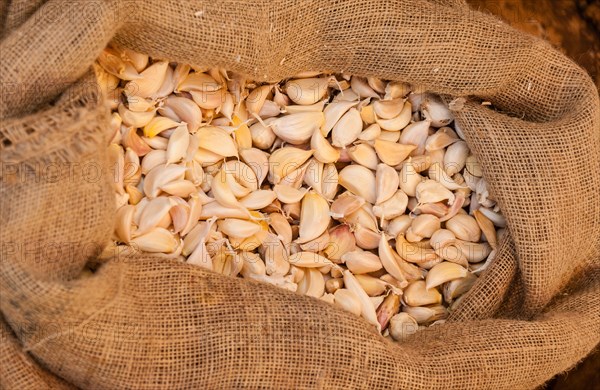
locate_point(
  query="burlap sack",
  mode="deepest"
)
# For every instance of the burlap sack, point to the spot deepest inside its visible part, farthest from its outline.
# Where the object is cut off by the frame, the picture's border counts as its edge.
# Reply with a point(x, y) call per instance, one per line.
point(147, 323)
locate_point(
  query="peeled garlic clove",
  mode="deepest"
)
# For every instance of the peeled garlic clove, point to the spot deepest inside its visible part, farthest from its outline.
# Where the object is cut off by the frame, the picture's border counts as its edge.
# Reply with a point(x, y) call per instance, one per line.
point(220, 187)
point(348, 301)
point(424, 226)
point(323, 151)
point(258, 161)
point(130, 139)
point(365, 155)
point(416, 134)
point(391, 136)
point(197, 81)
point(455, 157)
point(370, 133)
point(361, 87)
point(333, 112)
point(157, 240)
point(182, 188)
point(307, 91)
point(341, 241)
point(387, 308)
point(416, 294)
point(386, 182)
point(329, 187)
point(430, 191)
point(314, 217)
point(159, 124)
point(412, 252)
point(308, 260)
point(472, 166)
point(378, 85)
point(487, 228)
point(258, 199)
point(256, 99)
point(436, 111)
point(496, 218)
point(110, 60)
point(287, 194)
point(402, 325)
point(312, 284)
point(437, 173)
point(313, 177)
point(464, 227)
point(398, 122)
point(347, 129)
point(360, 181)
point(285, 160)
point(123, 223)
point(396, 89)
point(392, 153)
point(297, 128)
point(135, 119)
point(252, 264)
point(361, 262)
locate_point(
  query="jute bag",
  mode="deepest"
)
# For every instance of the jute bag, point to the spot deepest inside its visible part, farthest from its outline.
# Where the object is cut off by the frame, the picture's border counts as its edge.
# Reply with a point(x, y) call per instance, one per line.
point(145, 322)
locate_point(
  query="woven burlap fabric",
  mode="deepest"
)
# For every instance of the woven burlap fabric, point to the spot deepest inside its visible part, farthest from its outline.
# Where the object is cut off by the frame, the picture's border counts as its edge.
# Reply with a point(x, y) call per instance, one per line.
point(144, 322)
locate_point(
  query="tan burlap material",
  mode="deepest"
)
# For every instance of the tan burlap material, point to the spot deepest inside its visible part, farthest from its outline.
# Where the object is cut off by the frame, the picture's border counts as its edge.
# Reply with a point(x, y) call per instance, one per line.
point(146, 323)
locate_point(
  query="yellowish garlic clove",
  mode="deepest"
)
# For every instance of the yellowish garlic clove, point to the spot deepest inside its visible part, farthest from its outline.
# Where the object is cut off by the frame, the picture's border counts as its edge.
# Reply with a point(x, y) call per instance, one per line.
point(416, 134)
point(345, 205)
point(386, 182)
point(360, 181)
point(347, 300)
point(341, 241)
point(387, 309)
point(426, 314)
point(314, 216)
point(361, 87)
point(347, 129)
point(392, 153)
point(297, 128)
point(367, 308)
point(444, 272)
point(441, 139)
point(285, 160)
point(371, 133)
point(312, 283)
point(398, 225)
point(465, 227)
point(398, 122)
point(417, 294)
point(455, 157)
point(402, 325)
point(413, 253)
point(430, 191)
point(361, 262)
point(157, 240)
point(364, 154)
point(457, 287)
point(307, 91)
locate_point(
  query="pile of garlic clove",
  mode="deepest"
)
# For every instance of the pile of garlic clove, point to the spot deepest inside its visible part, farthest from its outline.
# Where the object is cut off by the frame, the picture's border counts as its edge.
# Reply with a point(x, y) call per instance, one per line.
point(358, 191)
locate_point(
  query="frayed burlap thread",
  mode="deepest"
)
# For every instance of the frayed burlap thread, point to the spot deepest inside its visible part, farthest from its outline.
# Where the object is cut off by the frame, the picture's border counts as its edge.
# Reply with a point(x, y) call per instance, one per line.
point(146, 322)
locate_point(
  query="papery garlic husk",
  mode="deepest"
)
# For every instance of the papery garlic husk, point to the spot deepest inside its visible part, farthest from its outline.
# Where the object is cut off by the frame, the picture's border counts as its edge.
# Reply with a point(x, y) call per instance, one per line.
point(455, 157)
point(361, 87)
point(436, 111)
point(312, 284)
point(444, 272)
point(307, 91)
point(323, 151)
point(297, 128)
point(416, 134)
point(341, 241)
point(441, 139)
point(423, 226)
point(360, 181)
point(367, 308)
point(388, 109)
point(430, 191)
point(398, 225)
point(361, 262)
point(393, 207)
point(364, 154)
point(285, 160)
point(402, 325)
point(464, 227)
point(347, 300)
point(347, 129)
point(314, 216)
point(426, 314)
point(345, 205)
point(370, 133)
point(457, 287)
point(409, 179)
point(392, 153)
point(386, 182)
point(416, 294)
point(398, 122)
